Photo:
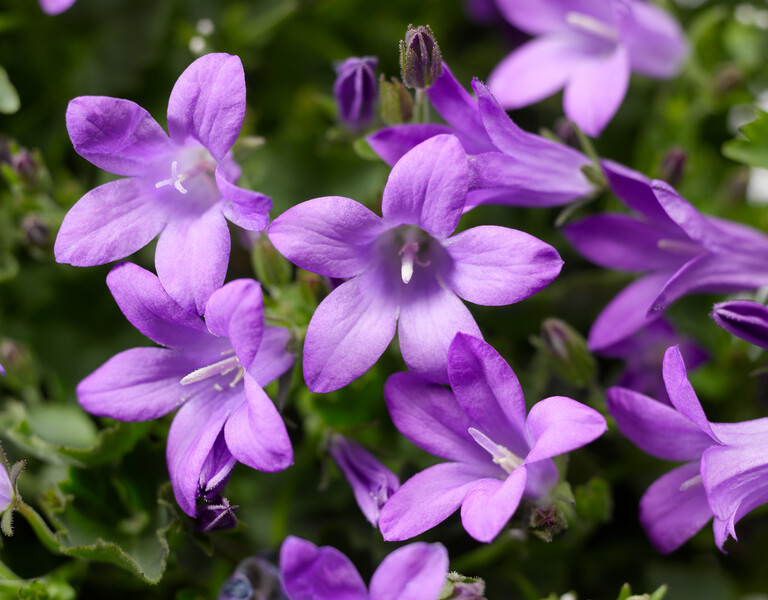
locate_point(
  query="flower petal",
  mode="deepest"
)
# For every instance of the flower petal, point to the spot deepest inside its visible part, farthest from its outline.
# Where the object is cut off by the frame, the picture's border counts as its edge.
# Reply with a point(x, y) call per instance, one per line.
point(7, 493)
point(392, 143)
point(245, 208)
point(413, 572)
point(151, 310)
point(550, 15)
point(348, 332)
point(312, 573)
point(596, 90)
point(559, 425)
point(54, 7)
point(110, 222)
point(428, 187)
point(192, 256)
point(745, 319)
point(208, 103)
point(488, 391)
point(428, 498)
point(256, 434)
point(330, 236)
point(654, 39)
point(272, 359)
point(236, 311)
point(116, 135)
point(674, 508)
point(654, 427)
point(634, 190)
point(430, 417)
point(494, 266)
point(430, 316)
point(489, 505)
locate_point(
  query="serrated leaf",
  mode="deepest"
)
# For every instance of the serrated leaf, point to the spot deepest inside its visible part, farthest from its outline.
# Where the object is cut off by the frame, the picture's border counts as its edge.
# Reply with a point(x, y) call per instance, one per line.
point(754, 149)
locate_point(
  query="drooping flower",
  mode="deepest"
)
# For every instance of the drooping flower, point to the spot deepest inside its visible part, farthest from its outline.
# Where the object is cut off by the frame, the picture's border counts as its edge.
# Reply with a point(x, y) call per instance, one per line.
point(405, 268)
point(212, 371)
point(54, 7)
point(510, 166)
point(746, 319)
point(679, 251)
point(371, 482)
point(497, 454)
point(182, 185)
point(588, 48)
point(356, 91)
point(413, 572)
point(725, 474)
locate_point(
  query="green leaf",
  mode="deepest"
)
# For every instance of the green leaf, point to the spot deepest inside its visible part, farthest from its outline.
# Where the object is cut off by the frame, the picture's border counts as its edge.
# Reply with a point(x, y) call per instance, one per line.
point(9, 98)
point(594, 501)
point(754, 149)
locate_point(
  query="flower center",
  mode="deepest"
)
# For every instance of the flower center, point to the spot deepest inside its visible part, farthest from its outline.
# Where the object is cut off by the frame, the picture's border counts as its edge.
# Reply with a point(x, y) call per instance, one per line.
point(502, 456)
point(589, 24)
point(409, 254)
point(175, 179)
point(190, 162)
point(222, 367)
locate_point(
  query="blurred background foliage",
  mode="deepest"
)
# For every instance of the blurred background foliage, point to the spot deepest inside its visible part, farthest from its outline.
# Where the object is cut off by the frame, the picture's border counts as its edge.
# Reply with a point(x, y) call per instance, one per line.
point(100, 488)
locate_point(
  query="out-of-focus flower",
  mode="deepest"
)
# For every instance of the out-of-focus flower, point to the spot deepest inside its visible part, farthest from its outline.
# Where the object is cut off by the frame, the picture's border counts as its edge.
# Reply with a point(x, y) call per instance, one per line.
point(413, 572)
point(253, 579)
point(498, 455)
point(356, 91)
point(725, 474)
point(371, 482)
point(213, 372)
point(679, 250)
point(182, 185)
point(588, 48)
point(745, 319)
point(405, 268)
point(54, 7)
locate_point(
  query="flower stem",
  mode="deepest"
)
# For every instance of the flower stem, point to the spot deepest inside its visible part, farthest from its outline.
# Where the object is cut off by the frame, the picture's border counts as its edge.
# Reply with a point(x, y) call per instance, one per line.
point(39, 526)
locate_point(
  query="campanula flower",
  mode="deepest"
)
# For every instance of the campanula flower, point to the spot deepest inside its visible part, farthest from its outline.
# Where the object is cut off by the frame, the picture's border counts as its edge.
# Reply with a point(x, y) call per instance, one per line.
point(497, 454)
point(589, 49)
point(413, 572)
point(182, 186)
point(745, 319)
point(54, 7)
point(725, 474)
point(678, 250)
point(405, 270)
point(356, 91)
point(212, 371)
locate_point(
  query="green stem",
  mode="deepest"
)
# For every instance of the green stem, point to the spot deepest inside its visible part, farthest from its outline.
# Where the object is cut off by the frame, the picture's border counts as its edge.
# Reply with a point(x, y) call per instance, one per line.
point(421, 111)
point(39, 526)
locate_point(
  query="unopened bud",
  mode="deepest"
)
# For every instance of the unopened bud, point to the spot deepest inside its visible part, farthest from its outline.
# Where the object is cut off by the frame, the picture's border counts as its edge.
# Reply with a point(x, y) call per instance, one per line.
point(35, 231)
point(567, 350)
point(356, 91)
point(396, 103)
point(672, 166)
point(420, 60)
point(458, 587)
point(253, 579)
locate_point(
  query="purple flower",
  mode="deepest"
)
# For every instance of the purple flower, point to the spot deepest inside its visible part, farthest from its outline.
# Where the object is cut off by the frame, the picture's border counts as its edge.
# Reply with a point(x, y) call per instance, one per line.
point(725, 474)
point(498, 455)
point(679, 251)
point(54, 7)
point(511, 166)
point(182, 186)
point(413, 572)
point(745, 319)
point(356, 91)
point(7, 493)
point(588, 48)
point(405, 268)
point(371, 482)
point(644, 354)
point(213, 372)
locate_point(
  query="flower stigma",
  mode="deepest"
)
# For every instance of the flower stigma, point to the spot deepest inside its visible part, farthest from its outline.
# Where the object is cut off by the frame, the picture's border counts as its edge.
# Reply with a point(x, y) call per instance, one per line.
point(175, 179)
point(501, 455)
point(410, 255)
point(689, 483)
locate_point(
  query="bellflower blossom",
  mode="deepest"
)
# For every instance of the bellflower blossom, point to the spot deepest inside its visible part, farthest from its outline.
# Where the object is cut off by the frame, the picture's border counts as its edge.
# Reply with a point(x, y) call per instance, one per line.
point(371, 482)
point(746, 319)
point(510, 166)
point(498, 454)
point(725, 474)
point(54, 7)
point(679, 251)
point(405, 268)
point(182, 185)
point(356, 91)
point(589, 48)
point(213, 372)
point(413, 572)
point(7, 492)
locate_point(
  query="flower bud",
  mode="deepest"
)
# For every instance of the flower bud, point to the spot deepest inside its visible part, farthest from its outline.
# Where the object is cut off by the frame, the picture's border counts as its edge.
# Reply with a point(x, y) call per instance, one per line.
point(396, 102)
point(356, 91)
point(420, 60)
point(458, 587)
point(745, 319)
point(567, 350)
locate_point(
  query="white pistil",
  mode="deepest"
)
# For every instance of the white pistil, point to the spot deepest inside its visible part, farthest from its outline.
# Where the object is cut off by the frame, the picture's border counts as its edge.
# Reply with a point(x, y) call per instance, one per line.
point(175, 179)
point(408, 252)
point(591, 25)
point(689, 483)
point(501, 456)
point(678, 247)
point(222, 367)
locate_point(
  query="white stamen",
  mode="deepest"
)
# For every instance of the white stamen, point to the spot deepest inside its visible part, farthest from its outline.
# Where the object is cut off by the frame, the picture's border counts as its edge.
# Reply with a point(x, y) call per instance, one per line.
point(591, 25)
point(501, 455)
point(695, 480)
point(678, 247)
point(218, 368)
point(175, 179)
